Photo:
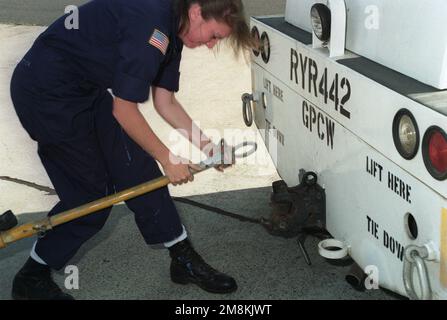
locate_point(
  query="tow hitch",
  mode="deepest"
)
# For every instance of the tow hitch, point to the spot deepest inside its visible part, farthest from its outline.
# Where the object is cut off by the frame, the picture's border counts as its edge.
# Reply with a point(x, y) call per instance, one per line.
point(298, 211)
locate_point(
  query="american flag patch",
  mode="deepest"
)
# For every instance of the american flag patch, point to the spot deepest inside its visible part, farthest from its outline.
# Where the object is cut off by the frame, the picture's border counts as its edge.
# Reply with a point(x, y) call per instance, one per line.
point(160, 41)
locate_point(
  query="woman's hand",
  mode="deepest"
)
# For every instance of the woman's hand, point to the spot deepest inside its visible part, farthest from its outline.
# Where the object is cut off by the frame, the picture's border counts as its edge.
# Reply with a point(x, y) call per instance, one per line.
point(179, 170)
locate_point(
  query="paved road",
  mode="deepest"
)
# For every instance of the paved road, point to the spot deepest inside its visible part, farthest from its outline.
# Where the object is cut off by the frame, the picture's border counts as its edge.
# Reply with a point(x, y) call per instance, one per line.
point(43, 12)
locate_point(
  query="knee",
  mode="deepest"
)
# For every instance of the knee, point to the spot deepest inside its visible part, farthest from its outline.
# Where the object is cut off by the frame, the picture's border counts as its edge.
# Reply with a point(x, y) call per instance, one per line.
point(94, 221)
point(151, 202)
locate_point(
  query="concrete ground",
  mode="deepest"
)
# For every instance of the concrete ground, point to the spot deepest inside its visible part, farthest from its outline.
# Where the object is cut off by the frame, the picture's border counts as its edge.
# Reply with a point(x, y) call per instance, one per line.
point(43, 12)
point(116, 263)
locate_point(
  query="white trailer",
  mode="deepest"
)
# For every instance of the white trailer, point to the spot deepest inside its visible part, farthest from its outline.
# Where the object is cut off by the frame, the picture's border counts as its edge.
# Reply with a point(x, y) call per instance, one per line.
point(358, 98)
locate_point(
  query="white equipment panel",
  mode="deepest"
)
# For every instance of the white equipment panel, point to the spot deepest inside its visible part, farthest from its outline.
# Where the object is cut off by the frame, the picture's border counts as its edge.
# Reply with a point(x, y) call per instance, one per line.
point(337, 122)
point(405, 35)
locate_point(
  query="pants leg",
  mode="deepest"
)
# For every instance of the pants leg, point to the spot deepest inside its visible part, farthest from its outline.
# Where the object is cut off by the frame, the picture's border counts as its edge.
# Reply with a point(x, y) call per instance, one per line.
point(129, 165)
point(78, 173)
point(56, 107)
point(91, 166)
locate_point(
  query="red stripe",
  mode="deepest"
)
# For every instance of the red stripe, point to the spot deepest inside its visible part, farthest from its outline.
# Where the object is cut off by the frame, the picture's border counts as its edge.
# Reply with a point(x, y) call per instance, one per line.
point(157, 42)
point(161, 45)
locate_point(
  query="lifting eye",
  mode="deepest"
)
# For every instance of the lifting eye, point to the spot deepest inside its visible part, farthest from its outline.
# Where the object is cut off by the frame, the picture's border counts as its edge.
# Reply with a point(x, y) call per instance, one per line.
point(264, 100)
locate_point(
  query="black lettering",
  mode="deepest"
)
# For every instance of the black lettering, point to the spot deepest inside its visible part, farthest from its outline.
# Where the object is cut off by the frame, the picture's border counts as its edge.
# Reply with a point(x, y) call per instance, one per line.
point(313, 117)
point(398, 246)
point(400, 252)
point(399, 186)
point(277, 92)
point(402, 189)
point(305, 114)
point(376, 230)
point(313, 75)
point(320, 120)
point(330, 132)
point(303, 69)
point(347, 96)
point(380, 171)
point(373, 227)
point(386, 239)
point(267, 132)
point(374, 170)
point(294, 65)
point(392, 245)
point(314, 120)
point(333, 92)
point(396, 184)
point(267, 85)
point(368, 169)
point(281, 138)
point(323, 86)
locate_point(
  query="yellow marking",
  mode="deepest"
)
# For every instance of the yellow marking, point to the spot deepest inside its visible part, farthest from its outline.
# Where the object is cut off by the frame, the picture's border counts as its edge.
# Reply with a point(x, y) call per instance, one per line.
point(443, 265)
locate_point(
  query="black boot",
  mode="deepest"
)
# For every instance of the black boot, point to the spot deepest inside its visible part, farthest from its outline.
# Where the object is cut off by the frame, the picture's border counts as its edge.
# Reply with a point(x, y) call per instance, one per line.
point(188, 267)
point(34, 282)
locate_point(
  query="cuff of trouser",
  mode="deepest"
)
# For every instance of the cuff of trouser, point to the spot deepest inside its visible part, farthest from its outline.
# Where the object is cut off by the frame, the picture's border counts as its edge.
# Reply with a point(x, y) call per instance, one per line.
point(55, 262)
point(178, 239)
point(162, 238)
point(35, 256)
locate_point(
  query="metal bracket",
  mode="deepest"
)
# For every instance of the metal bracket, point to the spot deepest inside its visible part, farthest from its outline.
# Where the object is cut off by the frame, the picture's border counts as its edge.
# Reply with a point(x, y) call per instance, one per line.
point(42, 228)
point(414, 257)
point(337, 41)
point(221, 158)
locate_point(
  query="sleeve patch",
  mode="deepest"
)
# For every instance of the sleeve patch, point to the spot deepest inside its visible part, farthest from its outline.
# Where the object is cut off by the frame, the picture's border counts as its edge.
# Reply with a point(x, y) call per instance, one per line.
point(160, 41)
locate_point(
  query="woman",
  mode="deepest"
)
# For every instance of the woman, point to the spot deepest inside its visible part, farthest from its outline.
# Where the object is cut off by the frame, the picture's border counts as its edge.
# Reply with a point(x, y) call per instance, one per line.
point(93, 143)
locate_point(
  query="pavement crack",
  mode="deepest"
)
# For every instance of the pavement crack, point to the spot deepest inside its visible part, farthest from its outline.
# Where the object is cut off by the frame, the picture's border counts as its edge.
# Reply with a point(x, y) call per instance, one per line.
point(36, 186)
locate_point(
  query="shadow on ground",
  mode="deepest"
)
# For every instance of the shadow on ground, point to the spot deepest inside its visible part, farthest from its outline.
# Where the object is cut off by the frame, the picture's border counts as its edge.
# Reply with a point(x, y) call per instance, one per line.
point(116, 263)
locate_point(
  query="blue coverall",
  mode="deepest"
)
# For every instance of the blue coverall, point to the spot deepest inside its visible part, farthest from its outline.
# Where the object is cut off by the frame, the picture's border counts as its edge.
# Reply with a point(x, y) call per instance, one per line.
point(61, 91)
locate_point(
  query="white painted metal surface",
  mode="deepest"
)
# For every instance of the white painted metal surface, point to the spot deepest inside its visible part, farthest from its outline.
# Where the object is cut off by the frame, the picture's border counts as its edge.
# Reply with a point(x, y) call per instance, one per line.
point(337, 41)
point(405, 35)
point(370, 188)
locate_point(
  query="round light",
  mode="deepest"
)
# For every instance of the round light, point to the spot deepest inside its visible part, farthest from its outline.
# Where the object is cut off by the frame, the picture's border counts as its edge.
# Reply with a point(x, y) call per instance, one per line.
point(265, 47)
point(434, 150)
point(406, 134)
point(320, 17)
point(256, 37)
